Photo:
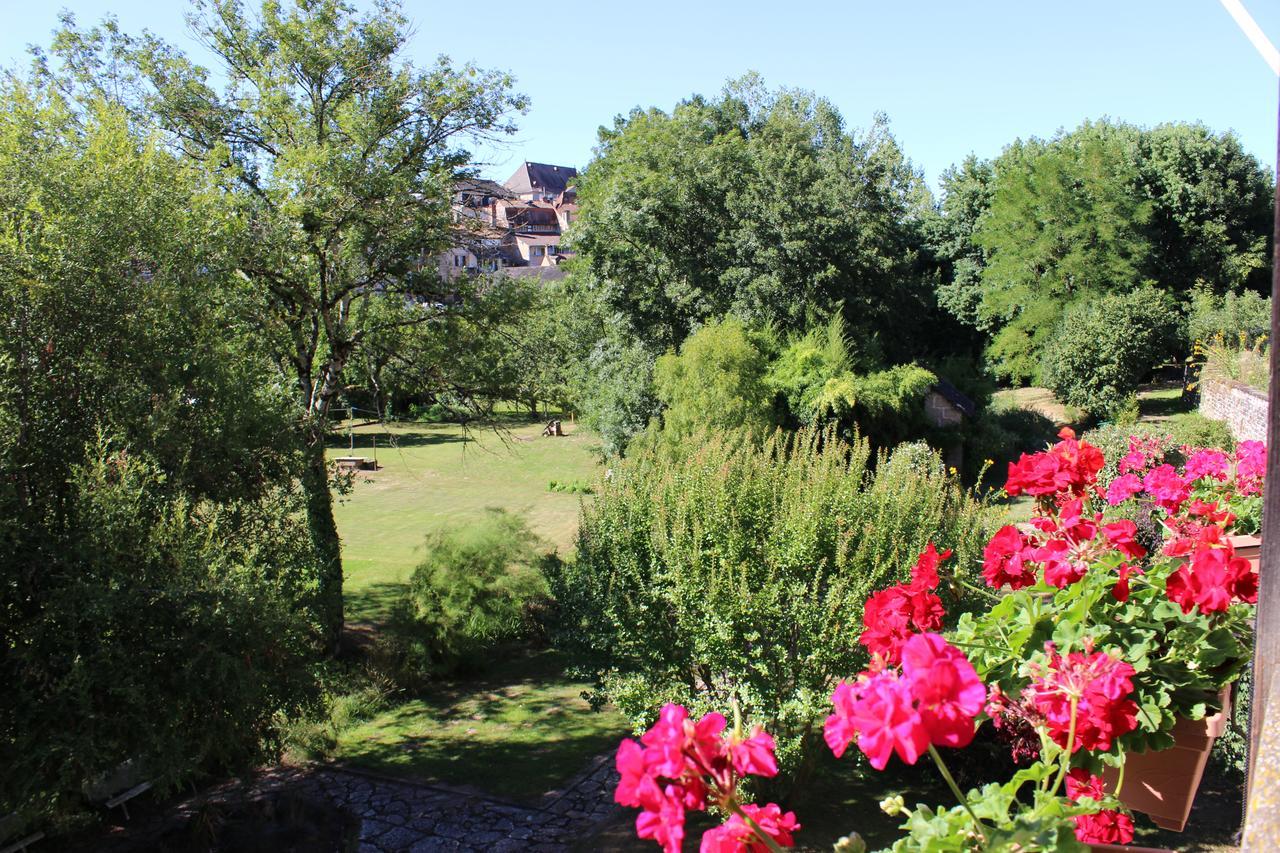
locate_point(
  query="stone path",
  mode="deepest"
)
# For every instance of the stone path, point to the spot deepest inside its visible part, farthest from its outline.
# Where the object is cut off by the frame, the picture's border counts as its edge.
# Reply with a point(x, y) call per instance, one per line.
point(402, 816)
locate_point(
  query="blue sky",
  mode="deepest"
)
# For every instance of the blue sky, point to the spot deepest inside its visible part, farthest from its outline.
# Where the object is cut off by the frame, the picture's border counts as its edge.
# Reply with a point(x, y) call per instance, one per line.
point(954, 77)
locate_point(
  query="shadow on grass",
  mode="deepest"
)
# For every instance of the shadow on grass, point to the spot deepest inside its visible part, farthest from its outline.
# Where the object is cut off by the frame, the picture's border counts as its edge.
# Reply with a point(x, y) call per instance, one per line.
point(1161, 401)
point(366, 440)
point(515, 732)
point(373, 603)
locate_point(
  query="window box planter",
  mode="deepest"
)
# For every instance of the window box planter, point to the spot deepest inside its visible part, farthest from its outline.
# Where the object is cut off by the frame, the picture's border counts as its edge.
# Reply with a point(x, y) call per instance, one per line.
point(1163, 784)
point(1249, 547)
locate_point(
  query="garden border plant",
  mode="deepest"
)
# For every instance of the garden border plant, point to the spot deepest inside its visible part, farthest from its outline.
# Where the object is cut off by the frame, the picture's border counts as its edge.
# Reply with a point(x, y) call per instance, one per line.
point(1092, 649)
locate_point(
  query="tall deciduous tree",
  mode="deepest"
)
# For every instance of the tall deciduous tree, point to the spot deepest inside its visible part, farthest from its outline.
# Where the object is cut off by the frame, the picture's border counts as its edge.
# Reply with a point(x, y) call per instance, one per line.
point(757, 203)
point(1064, 224)
point(343, 156)
point(1099, 210)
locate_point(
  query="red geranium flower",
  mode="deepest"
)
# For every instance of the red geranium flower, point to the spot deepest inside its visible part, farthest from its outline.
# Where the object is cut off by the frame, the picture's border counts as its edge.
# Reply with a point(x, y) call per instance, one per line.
point(1212, 579)
point(891, 616)
point(1122, 536)
point(1004, 560)
point(1081, 783)
point(1104, 827)
point(1098, 685)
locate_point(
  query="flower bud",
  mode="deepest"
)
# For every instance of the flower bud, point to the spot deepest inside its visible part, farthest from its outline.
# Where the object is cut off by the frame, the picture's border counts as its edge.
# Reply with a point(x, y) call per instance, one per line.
point(851, 843)
point(894, 805)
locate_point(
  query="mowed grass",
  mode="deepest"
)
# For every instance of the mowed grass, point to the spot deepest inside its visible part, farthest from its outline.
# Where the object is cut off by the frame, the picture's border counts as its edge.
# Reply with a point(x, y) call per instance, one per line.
point(521, 730)
point(432, 475)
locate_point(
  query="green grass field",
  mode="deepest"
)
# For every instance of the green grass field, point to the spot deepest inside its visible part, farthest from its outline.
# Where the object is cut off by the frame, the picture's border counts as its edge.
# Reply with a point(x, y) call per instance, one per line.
point(521, 728)
point(519, 731)
point(433, 475)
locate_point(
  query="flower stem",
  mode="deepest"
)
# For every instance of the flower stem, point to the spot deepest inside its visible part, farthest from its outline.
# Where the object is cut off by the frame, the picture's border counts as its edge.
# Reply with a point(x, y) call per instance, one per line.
point(955, 789)
point(764, 837)
point(983, 592)
point(1071, 743)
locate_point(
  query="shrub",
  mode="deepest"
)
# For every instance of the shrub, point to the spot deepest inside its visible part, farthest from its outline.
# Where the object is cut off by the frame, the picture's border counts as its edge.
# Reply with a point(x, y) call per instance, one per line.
point(717, 381)
point(740, 574)
point(169, 631)
point(1104, 348)
point(999, 435)
point(1194, 429)
point(1230, 317)
point(1241, 360)
point(572, 487)
point(479, 587)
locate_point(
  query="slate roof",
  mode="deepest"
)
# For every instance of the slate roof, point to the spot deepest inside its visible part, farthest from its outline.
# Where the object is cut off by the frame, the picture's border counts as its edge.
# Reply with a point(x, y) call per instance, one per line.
point(540, 178)
point(955, 397)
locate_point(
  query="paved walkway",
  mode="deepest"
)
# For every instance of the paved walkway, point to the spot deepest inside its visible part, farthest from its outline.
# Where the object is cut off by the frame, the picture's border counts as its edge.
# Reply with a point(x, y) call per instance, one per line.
point(401, 816)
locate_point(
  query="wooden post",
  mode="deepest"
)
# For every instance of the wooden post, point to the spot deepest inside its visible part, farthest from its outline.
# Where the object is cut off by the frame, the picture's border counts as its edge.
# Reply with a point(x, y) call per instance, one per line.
point(1266, 648)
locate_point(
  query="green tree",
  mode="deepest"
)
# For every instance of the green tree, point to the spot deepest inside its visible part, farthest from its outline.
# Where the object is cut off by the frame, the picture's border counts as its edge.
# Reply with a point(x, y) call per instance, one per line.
point(1064, 224)
point(157, 572)
point(966, 196)
point(1101, 209)
point(759, 204)
point(1211, 210)
point(342, 156)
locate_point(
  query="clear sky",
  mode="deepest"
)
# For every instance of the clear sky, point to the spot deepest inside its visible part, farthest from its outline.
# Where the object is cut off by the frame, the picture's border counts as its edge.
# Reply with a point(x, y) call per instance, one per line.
point(954, 76)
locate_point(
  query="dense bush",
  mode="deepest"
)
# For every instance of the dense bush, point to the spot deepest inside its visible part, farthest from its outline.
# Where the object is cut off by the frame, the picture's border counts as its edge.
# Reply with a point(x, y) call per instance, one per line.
point(479, 586)
point(999, 435)
point(740, 574)
point(168, 632)
point(1231, 317)
point(1104, 348)
point(717, 381)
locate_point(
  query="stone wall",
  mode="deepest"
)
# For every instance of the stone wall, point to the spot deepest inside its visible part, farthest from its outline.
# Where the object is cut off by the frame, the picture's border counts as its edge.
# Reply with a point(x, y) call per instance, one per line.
point(1244, 409)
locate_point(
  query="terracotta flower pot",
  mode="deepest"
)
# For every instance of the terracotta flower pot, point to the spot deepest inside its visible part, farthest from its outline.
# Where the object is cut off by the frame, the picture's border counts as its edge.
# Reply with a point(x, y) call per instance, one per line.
point(1163, 784)
point(1249, 547)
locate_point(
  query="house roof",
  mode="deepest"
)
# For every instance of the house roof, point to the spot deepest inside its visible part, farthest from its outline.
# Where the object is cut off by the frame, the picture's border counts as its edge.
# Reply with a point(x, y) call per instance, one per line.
point(548, 273)
point(955, 397)
point(541, 178)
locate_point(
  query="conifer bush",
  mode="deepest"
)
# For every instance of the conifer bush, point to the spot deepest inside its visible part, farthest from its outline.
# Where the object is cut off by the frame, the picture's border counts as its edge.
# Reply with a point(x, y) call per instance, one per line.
point(478, 587)
point(738, 575)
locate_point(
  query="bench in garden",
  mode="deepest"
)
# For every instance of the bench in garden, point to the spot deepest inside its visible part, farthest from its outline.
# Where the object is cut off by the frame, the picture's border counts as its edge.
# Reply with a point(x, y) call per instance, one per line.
point(118, 787)
point(11, 825)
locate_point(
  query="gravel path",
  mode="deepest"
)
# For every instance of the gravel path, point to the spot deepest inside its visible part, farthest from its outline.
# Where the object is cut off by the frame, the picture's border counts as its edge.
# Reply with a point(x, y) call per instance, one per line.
point(402, 816)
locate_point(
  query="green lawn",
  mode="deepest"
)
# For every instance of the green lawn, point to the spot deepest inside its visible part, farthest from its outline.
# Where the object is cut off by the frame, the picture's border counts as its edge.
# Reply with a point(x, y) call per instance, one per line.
point(438, 474)
point(521, 728)
point(518, 732)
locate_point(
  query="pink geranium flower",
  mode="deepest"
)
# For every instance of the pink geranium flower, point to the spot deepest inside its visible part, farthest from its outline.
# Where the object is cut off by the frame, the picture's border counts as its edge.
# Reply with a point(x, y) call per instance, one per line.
point(1122, 488)
point(736, 836)
point(1166, 488)
point(947, 690)
point(879, 712)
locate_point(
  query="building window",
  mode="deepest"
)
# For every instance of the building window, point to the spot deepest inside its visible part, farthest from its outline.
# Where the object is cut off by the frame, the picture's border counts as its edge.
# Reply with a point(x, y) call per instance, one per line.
point(536, 251)
point(553, 250)
point(457, 260)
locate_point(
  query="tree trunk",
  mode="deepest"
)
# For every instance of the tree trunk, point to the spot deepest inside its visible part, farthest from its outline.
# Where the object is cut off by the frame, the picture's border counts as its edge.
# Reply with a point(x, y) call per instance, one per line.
point(324, 538)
